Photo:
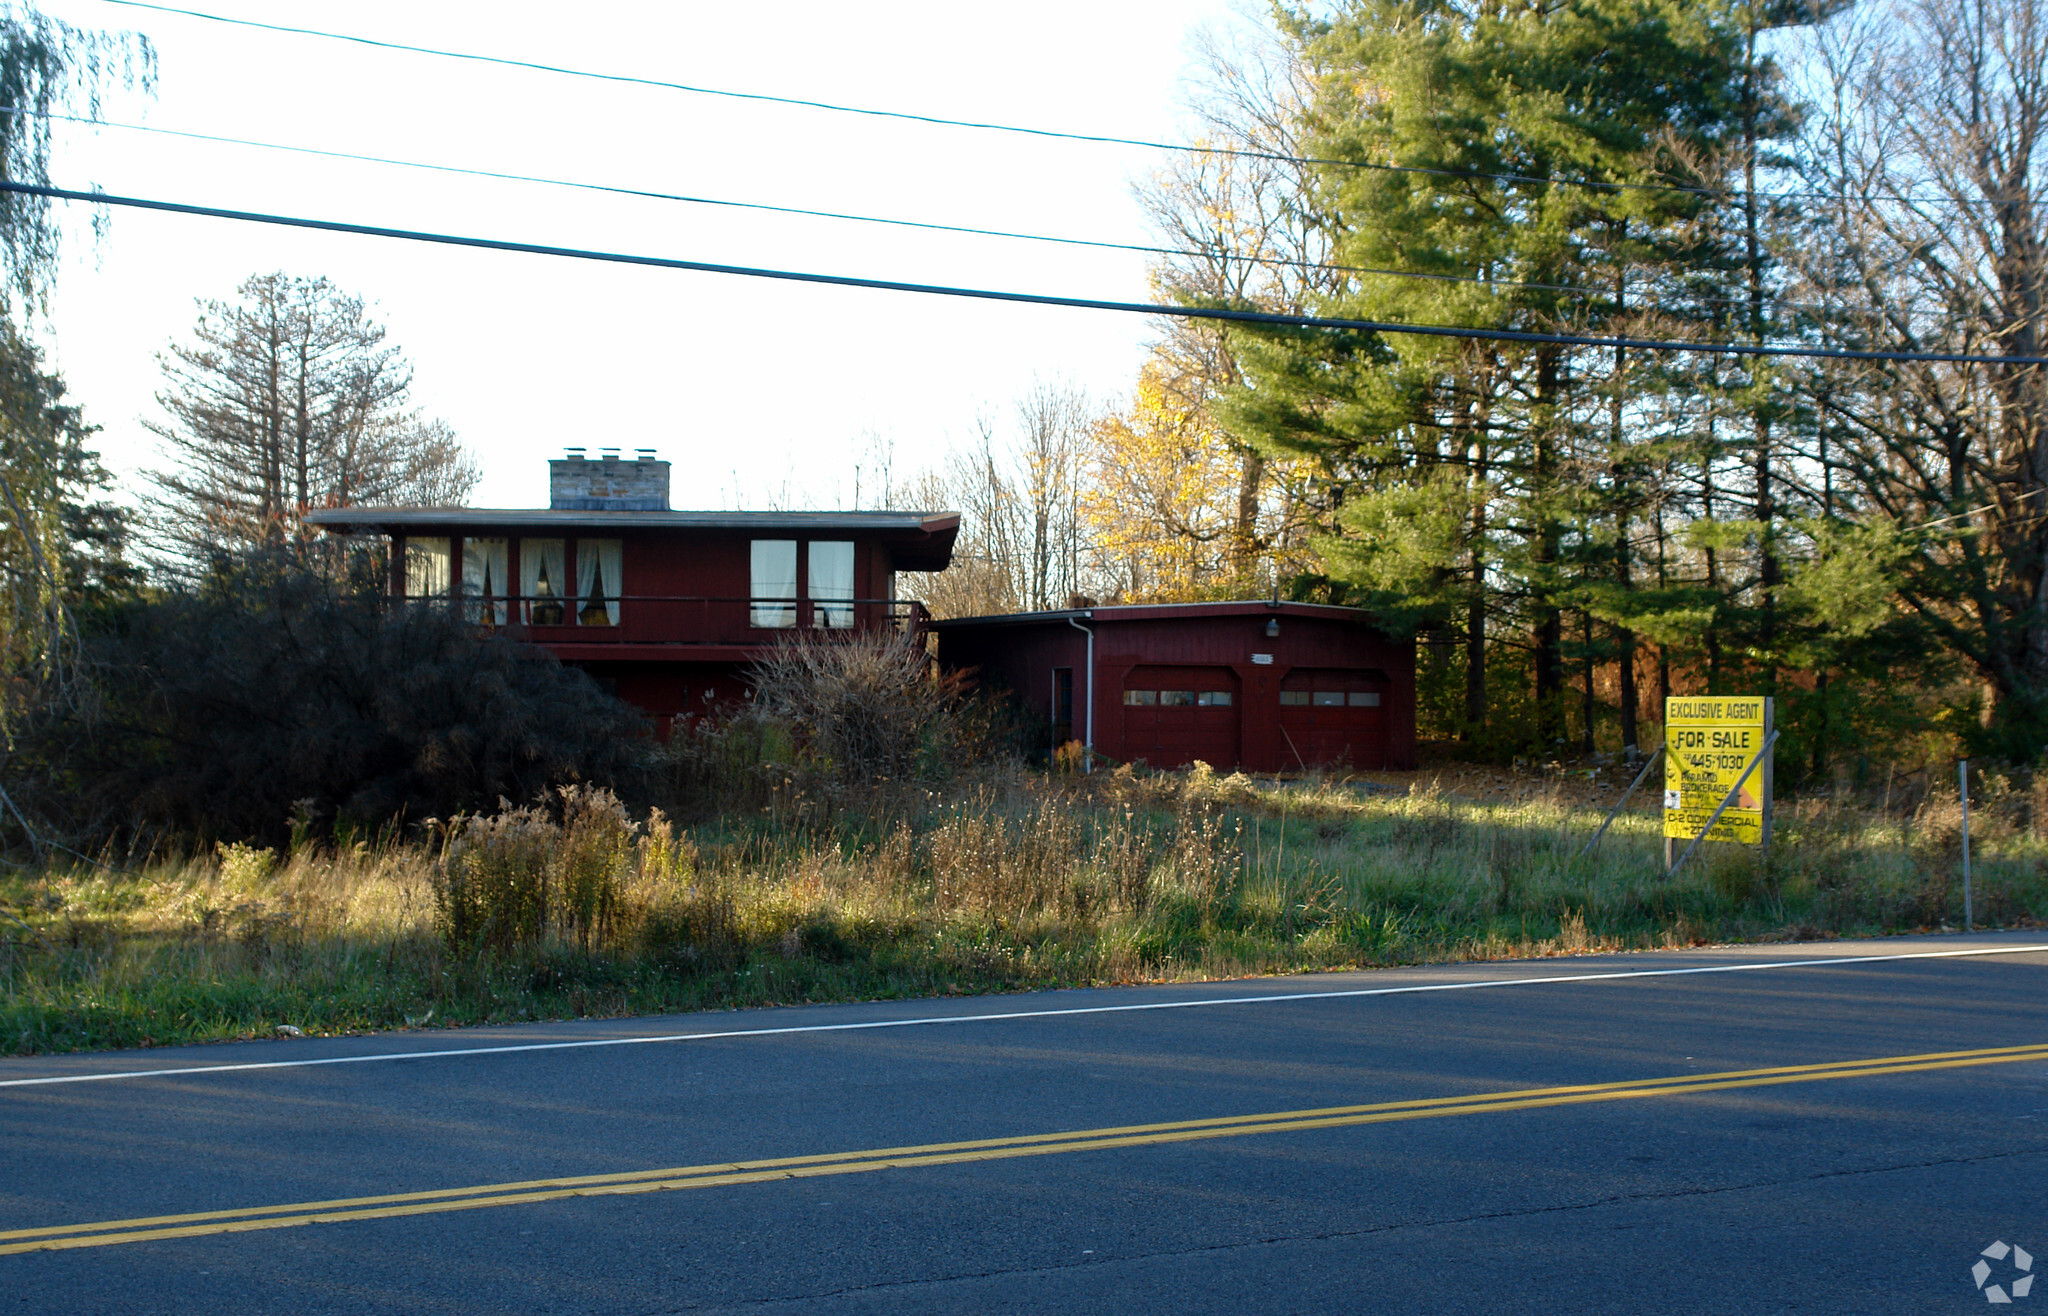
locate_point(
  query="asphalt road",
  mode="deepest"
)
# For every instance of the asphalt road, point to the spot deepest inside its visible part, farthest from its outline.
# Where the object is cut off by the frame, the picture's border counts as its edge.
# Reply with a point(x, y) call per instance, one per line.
point(1522, 1145)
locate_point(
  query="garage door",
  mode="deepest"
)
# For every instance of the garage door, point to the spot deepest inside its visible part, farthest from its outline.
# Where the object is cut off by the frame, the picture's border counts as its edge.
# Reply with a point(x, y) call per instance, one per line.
point(1175, 715)
point(1334, 717)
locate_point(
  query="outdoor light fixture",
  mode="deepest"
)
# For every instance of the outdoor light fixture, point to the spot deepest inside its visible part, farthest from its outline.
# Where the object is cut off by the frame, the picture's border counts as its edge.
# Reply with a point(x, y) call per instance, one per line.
point(1272, 628)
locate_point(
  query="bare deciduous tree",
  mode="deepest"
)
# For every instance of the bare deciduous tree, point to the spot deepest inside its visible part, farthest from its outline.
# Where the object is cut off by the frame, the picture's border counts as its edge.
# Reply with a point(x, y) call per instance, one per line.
point(1932, 137)
point(1023, 543)
point(1234, 209)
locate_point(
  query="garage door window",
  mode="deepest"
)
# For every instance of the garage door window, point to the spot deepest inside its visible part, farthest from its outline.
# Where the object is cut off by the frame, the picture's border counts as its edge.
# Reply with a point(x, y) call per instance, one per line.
point(1329, 699)
point(1291, 698)
point(1213, 699)
point(1177, 698)
point(1144, 697)
point(1365, 699)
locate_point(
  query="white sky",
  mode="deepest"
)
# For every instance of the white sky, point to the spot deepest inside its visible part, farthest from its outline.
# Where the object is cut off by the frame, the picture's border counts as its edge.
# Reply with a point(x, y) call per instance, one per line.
point(758, 391)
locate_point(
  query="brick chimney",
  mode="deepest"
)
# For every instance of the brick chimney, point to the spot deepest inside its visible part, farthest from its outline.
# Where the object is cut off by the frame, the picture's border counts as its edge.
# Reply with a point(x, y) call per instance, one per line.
point(608, 482)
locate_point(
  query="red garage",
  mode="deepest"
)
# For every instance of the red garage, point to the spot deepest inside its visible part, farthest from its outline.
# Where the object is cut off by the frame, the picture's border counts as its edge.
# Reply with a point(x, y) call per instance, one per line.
point(1268, 687)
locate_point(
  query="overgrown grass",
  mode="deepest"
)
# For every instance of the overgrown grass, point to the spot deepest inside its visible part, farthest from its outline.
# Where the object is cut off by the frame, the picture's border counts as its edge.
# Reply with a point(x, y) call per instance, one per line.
point(569, 908)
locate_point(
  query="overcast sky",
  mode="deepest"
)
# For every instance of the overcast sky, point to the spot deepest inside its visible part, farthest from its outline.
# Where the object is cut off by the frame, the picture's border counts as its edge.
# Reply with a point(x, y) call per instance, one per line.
point(759, 391)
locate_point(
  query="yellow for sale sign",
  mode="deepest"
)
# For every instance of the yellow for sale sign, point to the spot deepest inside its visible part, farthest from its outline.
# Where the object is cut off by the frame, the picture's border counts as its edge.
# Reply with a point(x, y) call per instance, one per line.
point(1708, 741)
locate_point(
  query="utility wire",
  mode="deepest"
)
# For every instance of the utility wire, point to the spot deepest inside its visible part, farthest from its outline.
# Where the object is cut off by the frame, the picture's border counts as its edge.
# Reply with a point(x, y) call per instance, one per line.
point(1223, 314)
point(1020, 129)
point(649, 194)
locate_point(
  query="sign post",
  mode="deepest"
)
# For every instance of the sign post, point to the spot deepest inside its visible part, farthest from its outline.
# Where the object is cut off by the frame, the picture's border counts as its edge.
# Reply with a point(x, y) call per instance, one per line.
point(1717, 771)
point(1963, 794)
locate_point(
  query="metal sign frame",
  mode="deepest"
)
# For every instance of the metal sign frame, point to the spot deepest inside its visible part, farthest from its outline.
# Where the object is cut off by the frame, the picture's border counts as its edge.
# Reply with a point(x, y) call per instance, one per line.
point(1762, 763)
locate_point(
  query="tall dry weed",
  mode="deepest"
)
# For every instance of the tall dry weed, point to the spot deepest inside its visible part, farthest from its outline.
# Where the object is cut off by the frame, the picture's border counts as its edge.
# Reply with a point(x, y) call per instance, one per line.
point(518, 877)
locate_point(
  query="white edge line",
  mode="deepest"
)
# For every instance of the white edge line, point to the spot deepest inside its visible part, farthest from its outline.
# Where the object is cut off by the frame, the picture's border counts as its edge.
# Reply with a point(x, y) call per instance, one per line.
point(1015, 1014)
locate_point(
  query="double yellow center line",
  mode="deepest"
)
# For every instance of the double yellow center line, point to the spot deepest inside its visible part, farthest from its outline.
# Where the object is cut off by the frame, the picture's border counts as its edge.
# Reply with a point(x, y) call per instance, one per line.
point(106, 1232)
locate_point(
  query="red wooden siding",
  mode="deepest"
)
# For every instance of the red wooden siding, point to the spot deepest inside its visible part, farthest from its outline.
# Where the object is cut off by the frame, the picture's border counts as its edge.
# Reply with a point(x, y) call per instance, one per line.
point(1176, 715)
point(1189, 651)
point(684, 635)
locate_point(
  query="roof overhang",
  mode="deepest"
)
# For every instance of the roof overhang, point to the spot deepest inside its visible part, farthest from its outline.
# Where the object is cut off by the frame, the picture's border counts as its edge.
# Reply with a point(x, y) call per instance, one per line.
point(1127, 612)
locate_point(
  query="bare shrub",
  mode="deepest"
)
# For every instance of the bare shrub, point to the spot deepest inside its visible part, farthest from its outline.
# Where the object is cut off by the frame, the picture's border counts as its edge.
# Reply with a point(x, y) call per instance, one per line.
point(867, 705)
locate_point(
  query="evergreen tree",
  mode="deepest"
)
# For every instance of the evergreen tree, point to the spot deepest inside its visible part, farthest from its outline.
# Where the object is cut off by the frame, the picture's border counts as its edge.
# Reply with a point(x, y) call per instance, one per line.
point(1545, 165)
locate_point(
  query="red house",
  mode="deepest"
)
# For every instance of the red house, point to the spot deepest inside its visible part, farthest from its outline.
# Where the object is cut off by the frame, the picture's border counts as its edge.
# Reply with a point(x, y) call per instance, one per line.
point(1268, 687)
point(666, 608)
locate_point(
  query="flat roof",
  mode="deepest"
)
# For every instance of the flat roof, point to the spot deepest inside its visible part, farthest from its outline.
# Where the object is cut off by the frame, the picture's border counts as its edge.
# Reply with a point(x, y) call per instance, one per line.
point(928, 535)
point(1166, 611)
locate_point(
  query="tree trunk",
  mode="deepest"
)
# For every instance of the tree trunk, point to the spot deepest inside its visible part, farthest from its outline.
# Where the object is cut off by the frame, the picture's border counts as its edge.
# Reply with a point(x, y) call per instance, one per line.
point(1246, 546)
point(1624, 496)
point(1589, 704)
point(1760, 410)
point(1475, 598)
point(1548, 543)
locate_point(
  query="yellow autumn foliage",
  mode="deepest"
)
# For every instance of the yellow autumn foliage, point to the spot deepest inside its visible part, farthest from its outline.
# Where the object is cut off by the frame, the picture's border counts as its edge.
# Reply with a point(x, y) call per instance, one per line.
point(1162, 502)
point(1166, 505)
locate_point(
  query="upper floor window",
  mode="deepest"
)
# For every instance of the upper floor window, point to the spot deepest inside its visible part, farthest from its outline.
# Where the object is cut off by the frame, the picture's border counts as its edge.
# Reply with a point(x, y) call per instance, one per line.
point(426, 568)
point(543, 564)
point(483, 581)
point(597, 582)
point(832, 584)
point(772, 579)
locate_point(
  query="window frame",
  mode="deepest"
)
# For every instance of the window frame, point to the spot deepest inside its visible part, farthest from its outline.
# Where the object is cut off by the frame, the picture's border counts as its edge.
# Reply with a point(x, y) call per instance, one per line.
point(768, 611)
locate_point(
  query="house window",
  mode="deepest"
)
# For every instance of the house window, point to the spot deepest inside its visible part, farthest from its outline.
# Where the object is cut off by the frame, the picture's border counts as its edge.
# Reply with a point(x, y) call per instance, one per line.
point(426, 568)
point(773, 580)
point(597, 582)
point(832, 584)
point(483, 581)
point(543, 567)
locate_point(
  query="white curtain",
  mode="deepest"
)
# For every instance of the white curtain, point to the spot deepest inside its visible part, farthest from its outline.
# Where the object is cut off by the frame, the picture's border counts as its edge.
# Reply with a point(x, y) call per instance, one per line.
point(832, 584)
point(483, 580)
point(542, 564)
point(426, 568)
point(597, 582)
point(773, 577)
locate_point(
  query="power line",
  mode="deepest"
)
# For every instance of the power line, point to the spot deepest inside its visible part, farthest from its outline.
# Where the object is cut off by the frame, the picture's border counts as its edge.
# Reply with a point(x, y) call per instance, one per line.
point(929, 226)
point(1225, 315)
point(1025, 130)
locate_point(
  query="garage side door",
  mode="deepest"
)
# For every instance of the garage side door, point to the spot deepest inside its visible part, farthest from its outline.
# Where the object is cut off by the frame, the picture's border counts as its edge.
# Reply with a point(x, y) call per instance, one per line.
point(1175, 715)
point(1334, 717)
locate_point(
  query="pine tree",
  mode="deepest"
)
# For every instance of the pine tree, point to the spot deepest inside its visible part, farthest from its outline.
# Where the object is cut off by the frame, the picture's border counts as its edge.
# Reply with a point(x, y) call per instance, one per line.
point(1488, 486)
